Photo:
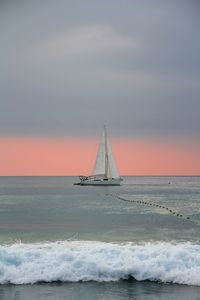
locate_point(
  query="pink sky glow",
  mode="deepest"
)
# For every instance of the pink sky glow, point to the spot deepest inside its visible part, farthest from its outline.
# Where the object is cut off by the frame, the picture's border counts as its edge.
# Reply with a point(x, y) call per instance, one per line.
point(57, 156)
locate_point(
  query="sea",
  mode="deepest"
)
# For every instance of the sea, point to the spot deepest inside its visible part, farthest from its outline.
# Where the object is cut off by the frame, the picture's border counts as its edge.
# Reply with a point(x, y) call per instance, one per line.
point(140, 240)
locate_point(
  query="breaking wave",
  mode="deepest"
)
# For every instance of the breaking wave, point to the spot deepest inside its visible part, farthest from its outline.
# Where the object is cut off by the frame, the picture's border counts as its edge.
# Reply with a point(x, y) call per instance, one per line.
point(72, 261)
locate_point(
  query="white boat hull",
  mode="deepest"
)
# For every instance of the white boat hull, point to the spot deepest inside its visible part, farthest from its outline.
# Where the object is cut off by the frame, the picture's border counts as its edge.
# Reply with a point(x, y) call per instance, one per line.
point(100, 182)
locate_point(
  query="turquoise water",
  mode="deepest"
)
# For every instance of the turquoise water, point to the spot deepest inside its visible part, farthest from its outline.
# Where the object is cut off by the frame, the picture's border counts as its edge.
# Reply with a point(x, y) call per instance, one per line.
point(137, 241)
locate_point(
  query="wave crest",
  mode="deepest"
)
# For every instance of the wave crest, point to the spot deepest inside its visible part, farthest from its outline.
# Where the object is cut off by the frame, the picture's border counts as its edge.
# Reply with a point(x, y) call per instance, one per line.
point(72, 261)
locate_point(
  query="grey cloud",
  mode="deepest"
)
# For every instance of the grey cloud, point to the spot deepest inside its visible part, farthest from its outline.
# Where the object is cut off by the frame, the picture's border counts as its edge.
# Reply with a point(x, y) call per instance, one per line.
point(68, 67)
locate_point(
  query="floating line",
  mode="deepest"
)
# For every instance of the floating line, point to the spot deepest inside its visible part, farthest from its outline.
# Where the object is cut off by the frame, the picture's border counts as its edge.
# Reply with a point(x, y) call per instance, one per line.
point(177, 214)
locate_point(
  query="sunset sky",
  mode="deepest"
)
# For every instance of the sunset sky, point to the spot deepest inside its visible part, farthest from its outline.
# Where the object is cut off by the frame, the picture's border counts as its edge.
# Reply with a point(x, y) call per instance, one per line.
point(69, 67)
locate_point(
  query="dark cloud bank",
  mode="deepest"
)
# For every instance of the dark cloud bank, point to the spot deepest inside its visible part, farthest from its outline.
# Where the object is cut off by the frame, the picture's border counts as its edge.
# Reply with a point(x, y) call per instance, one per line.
point(68, 67)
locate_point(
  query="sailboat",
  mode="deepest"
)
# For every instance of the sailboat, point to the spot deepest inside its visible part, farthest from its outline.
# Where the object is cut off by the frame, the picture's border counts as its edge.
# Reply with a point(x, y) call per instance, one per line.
point(105, 171)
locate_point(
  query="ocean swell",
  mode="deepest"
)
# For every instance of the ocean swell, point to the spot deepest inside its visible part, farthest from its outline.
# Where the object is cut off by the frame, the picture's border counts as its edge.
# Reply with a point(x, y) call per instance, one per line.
point(72, 261)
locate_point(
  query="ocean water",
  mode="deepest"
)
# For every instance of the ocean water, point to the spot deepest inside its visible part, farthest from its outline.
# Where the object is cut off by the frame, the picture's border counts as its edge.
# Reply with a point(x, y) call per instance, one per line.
point(137, 241)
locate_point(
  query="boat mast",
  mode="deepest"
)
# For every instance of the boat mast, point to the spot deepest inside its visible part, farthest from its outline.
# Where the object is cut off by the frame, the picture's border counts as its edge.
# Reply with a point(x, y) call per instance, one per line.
point(106, 153)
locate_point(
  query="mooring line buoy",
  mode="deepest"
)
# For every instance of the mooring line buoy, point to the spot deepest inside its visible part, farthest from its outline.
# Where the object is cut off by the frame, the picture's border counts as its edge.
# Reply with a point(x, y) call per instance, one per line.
point(152, 204)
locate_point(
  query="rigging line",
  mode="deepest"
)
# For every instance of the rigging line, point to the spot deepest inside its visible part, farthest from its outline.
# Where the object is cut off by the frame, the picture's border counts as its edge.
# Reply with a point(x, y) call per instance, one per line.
point(106, 153)
point(155, 205)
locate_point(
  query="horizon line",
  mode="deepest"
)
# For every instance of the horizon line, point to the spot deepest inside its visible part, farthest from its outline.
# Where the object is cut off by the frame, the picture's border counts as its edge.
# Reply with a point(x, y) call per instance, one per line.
point(120, 176)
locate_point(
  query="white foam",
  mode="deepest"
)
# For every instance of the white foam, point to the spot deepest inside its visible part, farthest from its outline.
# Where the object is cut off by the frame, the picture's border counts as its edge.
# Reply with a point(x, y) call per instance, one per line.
point(75, 260)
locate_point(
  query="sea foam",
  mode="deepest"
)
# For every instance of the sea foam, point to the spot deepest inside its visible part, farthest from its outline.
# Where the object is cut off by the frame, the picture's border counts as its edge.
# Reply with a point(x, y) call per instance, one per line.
point(72, 261)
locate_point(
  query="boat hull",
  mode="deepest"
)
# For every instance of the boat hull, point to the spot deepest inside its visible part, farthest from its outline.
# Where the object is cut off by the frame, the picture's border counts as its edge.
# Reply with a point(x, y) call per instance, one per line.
point(100, 182)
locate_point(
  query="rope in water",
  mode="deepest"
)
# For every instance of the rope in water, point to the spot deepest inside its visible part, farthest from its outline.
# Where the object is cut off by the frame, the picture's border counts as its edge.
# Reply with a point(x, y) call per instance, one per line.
point(153, 205)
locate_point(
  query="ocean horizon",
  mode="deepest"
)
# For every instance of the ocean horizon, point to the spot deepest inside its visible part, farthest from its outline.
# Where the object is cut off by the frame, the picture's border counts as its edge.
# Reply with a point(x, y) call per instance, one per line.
point(60, 241)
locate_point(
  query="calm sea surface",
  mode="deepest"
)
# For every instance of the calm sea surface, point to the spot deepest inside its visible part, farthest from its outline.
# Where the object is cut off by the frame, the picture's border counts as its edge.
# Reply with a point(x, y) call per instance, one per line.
point(137, 241)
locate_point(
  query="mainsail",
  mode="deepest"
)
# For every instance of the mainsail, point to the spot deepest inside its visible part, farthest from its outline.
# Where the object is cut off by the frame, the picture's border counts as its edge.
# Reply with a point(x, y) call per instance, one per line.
point(105, 163)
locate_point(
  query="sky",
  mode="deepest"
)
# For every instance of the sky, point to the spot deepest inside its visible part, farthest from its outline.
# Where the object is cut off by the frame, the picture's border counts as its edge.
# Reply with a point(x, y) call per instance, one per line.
point(69, 67)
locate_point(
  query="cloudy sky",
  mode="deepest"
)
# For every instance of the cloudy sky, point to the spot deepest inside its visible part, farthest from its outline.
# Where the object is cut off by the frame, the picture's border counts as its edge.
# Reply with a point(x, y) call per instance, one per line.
point(68, 67)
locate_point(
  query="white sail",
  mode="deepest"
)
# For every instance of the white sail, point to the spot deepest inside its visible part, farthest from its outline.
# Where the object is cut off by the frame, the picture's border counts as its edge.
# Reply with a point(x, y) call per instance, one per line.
point(112, 168)
point(105, 164)
point(99, 167)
